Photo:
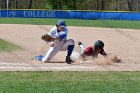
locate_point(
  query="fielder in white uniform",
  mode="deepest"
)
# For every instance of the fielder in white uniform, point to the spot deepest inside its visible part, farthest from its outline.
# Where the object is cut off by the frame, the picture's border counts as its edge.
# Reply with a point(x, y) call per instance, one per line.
point(60, 44)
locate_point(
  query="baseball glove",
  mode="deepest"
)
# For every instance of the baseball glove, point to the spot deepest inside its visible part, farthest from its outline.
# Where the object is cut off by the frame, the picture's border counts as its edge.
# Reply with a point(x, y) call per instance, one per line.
point(47, 38)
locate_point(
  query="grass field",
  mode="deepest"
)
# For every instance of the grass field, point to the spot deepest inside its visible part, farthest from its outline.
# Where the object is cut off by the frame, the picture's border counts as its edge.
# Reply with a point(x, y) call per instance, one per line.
point(8, 47)
point(69, 82)
point(74, 22)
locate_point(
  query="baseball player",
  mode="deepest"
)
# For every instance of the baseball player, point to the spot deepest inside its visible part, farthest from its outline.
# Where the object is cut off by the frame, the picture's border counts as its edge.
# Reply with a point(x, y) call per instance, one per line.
point(60, 43)
point(93, 51)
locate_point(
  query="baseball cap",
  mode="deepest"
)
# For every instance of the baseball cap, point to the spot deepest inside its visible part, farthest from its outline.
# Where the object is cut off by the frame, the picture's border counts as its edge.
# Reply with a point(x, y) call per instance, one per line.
point(61, 23)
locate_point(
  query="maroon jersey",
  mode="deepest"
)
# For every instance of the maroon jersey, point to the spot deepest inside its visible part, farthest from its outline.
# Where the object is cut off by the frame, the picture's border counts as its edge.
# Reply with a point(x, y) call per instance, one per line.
point(91, 51)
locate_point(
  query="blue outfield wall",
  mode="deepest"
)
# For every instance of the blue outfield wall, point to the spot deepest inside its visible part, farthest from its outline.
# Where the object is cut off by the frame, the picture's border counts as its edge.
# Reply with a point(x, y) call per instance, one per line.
point(88, 15)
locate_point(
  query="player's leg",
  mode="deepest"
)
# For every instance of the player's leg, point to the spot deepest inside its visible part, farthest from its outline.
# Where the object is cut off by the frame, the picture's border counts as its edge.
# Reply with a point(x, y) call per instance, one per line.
point(82, 47)
point(75, 56)
point(82, 54)
point(51, 53)
point(69, 46)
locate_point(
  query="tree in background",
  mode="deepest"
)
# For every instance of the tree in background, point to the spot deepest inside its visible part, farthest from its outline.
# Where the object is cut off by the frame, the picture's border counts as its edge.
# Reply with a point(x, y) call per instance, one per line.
point(3, 4)
point(133, 5)
point(30, 4)
point(111, 5)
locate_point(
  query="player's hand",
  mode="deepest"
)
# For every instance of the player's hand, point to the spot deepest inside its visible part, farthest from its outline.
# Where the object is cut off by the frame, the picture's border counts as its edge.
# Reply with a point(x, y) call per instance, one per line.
point(51, 44)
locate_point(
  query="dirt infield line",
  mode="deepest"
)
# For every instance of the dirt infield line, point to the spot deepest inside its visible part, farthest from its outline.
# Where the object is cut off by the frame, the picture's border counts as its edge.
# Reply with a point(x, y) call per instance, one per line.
point(39, 67)
point(65, 67)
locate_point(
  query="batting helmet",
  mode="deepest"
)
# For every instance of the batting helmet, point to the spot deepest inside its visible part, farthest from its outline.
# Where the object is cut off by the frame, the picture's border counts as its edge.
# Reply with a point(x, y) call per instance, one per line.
point(99, 44)
point(61, 23)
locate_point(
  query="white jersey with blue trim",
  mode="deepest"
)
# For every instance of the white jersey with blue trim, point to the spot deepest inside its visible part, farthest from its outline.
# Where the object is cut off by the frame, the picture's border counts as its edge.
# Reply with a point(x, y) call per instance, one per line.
point(54, 33)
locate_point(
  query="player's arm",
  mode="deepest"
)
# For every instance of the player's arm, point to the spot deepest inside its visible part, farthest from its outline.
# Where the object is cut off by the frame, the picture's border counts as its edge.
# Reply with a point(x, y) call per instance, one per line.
point(103, 53)
point(48, 39)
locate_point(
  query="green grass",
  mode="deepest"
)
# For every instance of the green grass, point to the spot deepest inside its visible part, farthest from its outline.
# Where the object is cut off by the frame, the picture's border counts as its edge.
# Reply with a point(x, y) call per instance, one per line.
point(74, 22)
point(8, 47)
point(70, 82)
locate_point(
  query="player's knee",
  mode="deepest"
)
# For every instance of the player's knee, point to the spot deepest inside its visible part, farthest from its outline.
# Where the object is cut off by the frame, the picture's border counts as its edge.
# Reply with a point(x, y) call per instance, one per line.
point(71, 42)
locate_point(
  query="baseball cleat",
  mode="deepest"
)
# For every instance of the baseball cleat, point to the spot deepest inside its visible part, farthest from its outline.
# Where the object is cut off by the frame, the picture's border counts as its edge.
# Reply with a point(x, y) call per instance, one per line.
point(79, 43)
point(68, 60)
point(39, 57)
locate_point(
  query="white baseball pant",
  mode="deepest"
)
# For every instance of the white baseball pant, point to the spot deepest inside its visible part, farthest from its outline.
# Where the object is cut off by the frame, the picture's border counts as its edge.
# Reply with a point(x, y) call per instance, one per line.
point(53, 50)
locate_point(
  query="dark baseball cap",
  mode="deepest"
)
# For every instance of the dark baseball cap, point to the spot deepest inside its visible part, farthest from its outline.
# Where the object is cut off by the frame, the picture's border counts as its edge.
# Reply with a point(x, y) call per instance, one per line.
point(61, 23)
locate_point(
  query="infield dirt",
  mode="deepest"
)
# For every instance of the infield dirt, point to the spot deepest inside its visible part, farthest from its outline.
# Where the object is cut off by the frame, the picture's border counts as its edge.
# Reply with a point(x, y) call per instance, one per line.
point(124, 43)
